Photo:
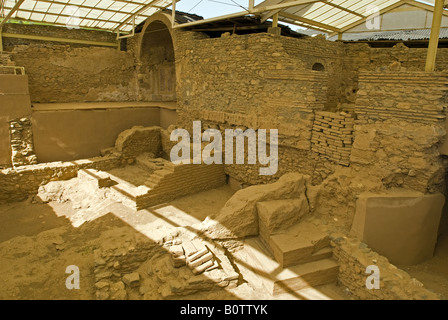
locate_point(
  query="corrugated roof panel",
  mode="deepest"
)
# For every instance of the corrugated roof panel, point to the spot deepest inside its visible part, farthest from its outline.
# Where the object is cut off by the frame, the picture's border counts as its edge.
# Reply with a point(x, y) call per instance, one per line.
point(401, 35)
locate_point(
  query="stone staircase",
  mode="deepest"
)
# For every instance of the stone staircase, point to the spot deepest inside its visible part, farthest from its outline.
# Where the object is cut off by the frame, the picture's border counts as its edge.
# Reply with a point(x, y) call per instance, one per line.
point(295, 257)
point(166, 182)
point(298, 263)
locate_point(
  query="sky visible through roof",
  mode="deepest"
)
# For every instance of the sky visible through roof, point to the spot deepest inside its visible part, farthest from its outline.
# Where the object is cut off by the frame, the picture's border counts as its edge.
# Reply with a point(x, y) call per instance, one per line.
point(215, 8)
point(111, 15)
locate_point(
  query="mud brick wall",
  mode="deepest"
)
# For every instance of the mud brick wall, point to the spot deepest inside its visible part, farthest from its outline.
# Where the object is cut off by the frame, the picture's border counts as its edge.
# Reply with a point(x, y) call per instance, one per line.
point(294, 151)
point(400, 127)
point(332, 136)
point(416, 96)
point(252, 75)
point(133, 142)
point(361, 57)
point(61, 72)
point(22, 144)
point(354, 257)
point(181, 180)
point(316, 50)
point(22, 182)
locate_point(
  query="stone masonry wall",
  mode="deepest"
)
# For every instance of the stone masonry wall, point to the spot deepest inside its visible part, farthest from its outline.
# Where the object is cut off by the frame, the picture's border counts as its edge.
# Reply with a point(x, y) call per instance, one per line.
point(399, 128)
point(332, 136)
point(60, 72)
point(257, 81)
point(19, 183)
point(22, 144)
point(354, 257)
point(361, 57)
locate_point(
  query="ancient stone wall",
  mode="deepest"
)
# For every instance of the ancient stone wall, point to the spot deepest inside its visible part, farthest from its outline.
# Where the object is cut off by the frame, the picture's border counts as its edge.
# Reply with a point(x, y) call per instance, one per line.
point(399, 128)
point(361, 57)
point(354, 257)
point(60, 72)
point(22, 144)
point(332, 136)
point(17, 184)
point(133, 142)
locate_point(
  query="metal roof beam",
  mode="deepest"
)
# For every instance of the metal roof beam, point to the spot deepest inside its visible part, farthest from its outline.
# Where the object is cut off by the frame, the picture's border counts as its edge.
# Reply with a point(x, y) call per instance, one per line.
point(11, 12)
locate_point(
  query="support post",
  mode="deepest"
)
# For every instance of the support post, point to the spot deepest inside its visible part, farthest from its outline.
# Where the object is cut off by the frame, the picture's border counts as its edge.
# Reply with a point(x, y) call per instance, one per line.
point(434, 37)
point(275, 21)
point(173, 13)
point(274, 29)
point(1, 40)
point(251, 4)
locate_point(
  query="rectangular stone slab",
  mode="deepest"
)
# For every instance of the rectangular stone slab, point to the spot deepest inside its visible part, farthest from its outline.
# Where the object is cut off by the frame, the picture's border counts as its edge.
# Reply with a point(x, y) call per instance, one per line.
point(401, 225)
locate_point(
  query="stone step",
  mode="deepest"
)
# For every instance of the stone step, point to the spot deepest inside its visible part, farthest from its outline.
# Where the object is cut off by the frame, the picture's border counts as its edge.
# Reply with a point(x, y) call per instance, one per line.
point(277, 280)
point(306, 275)
point(145, 162)
point(277, 215)
point(100, 178)
point(302, 243)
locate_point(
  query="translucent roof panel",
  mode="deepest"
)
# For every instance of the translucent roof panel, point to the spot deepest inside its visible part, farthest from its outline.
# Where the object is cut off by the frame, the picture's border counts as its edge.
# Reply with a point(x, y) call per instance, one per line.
point(335, 14)
point(330, 15)
point(101, 14)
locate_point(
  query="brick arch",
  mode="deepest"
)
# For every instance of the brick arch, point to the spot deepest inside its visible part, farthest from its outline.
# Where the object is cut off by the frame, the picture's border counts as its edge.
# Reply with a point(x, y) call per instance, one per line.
point(156, 61)
point(160, 17)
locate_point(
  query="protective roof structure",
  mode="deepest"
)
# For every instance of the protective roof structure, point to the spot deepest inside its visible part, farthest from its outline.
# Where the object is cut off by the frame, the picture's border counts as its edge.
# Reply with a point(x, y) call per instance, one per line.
point(118, 15)
point(333, 15)
point(110, 15)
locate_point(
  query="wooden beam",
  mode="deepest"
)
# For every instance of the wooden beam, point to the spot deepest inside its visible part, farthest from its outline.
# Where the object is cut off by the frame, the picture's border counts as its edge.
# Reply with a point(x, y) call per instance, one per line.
point(11, 12)
point(342, 8)
point(434, 37)
point(265, 16)
point(142, 9)
point(251, 4)
point(42, 38)
point(362, 20)
point(423, 6)
point(173, 13)
point(275, 21)
point(257, 10)
point(308, 21)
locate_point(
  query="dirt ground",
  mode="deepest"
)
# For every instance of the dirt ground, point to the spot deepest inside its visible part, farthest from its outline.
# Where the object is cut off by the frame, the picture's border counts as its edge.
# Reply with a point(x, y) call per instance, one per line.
point(39, 240)
point(433, 273)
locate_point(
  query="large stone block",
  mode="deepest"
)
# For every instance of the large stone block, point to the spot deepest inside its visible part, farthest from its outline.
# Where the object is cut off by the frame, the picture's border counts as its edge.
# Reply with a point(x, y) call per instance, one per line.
point(238, 218)
point(276, 215)
point(13, 84)
point(401, 225)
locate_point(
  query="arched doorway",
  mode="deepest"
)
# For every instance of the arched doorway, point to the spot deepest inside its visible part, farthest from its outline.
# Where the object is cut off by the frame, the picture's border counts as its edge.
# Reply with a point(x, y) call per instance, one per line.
point(157, 71)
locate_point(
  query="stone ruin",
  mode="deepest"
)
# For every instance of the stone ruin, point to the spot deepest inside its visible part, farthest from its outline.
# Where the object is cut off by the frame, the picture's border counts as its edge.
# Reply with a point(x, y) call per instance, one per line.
point(361, 173)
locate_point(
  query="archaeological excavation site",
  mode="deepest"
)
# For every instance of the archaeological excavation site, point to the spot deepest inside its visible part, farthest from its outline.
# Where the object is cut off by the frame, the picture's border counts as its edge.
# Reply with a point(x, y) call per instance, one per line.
point(223, 150)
